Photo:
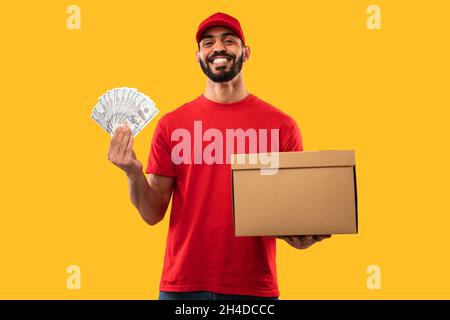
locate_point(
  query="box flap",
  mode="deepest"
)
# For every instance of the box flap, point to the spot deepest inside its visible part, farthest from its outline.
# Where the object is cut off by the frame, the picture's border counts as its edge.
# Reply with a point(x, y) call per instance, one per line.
point(301, 159)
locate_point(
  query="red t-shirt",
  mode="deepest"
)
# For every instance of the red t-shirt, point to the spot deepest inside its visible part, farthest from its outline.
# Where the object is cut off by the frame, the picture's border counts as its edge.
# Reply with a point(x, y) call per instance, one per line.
point(202, 253)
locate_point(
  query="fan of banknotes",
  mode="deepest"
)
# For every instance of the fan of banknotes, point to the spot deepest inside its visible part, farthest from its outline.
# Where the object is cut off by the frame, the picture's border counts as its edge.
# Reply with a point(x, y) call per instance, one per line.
point(122, 106)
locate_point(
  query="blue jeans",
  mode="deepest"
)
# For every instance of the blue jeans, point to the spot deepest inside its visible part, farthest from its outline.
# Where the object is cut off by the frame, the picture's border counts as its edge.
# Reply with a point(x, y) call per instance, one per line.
point(207, 295)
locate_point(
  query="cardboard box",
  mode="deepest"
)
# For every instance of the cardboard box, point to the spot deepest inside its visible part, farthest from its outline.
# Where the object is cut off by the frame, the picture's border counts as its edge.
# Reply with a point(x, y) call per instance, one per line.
point(311, 193)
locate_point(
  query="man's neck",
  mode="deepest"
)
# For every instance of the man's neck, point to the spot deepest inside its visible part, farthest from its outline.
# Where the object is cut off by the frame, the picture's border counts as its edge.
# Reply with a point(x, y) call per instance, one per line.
point(226, 92)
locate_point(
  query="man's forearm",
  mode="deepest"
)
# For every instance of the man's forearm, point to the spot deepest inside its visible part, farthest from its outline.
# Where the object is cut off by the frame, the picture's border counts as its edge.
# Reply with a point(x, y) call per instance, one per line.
point(148, 201)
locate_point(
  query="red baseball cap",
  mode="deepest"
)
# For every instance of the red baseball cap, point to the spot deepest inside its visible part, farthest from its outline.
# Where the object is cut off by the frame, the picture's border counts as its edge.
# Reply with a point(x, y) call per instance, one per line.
point(220, 19)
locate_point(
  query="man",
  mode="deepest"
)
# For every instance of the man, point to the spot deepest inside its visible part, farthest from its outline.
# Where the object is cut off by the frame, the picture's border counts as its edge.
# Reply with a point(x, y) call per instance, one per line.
point(203, 258)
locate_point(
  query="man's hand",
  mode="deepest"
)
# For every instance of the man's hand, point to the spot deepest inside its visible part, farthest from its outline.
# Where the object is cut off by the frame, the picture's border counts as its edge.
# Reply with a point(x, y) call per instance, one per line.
point(303, 242)
point(121, 151)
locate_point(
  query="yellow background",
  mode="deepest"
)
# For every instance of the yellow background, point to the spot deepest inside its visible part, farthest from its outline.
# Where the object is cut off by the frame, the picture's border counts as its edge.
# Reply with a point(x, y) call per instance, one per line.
point(384, 93)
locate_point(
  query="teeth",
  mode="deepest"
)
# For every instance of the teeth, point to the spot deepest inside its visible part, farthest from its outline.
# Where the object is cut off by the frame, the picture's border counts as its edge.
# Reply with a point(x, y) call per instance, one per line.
point(220, 60)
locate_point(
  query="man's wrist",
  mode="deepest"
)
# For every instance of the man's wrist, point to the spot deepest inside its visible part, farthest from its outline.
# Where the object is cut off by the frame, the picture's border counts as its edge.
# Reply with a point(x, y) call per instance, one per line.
point(134, 174)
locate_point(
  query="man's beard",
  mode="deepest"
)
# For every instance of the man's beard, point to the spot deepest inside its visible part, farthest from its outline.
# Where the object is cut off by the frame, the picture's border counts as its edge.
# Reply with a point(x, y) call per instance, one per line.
point(223, 76)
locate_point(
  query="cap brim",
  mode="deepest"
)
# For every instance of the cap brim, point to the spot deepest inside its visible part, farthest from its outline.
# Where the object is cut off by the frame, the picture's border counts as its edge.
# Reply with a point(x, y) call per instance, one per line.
point(218, 23)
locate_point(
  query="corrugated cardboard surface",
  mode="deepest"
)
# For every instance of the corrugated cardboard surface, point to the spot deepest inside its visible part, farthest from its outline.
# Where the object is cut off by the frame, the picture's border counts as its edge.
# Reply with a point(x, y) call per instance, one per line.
point(313, 193)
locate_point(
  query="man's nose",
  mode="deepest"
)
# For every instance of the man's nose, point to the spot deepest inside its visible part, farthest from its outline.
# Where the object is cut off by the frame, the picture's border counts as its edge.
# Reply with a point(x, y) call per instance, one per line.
point(219, 46)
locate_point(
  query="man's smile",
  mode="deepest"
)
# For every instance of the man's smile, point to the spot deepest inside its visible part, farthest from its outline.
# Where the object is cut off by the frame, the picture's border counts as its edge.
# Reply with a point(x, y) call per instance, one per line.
point(220, 60)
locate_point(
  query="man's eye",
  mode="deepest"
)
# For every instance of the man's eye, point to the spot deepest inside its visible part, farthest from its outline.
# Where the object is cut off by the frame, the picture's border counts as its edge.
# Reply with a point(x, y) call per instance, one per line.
point(207, 44)
point(229, 41)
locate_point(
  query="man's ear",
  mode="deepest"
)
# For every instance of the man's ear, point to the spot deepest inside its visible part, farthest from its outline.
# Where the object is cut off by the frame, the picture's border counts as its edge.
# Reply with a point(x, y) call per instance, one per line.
point(246, 53)
point(197, 56)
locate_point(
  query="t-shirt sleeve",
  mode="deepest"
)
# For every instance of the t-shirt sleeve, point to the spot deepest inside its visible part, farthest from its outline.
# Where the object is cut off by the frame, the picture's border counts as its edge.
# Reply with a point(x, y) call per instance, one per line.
point(159, 159)
point(291, 137)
